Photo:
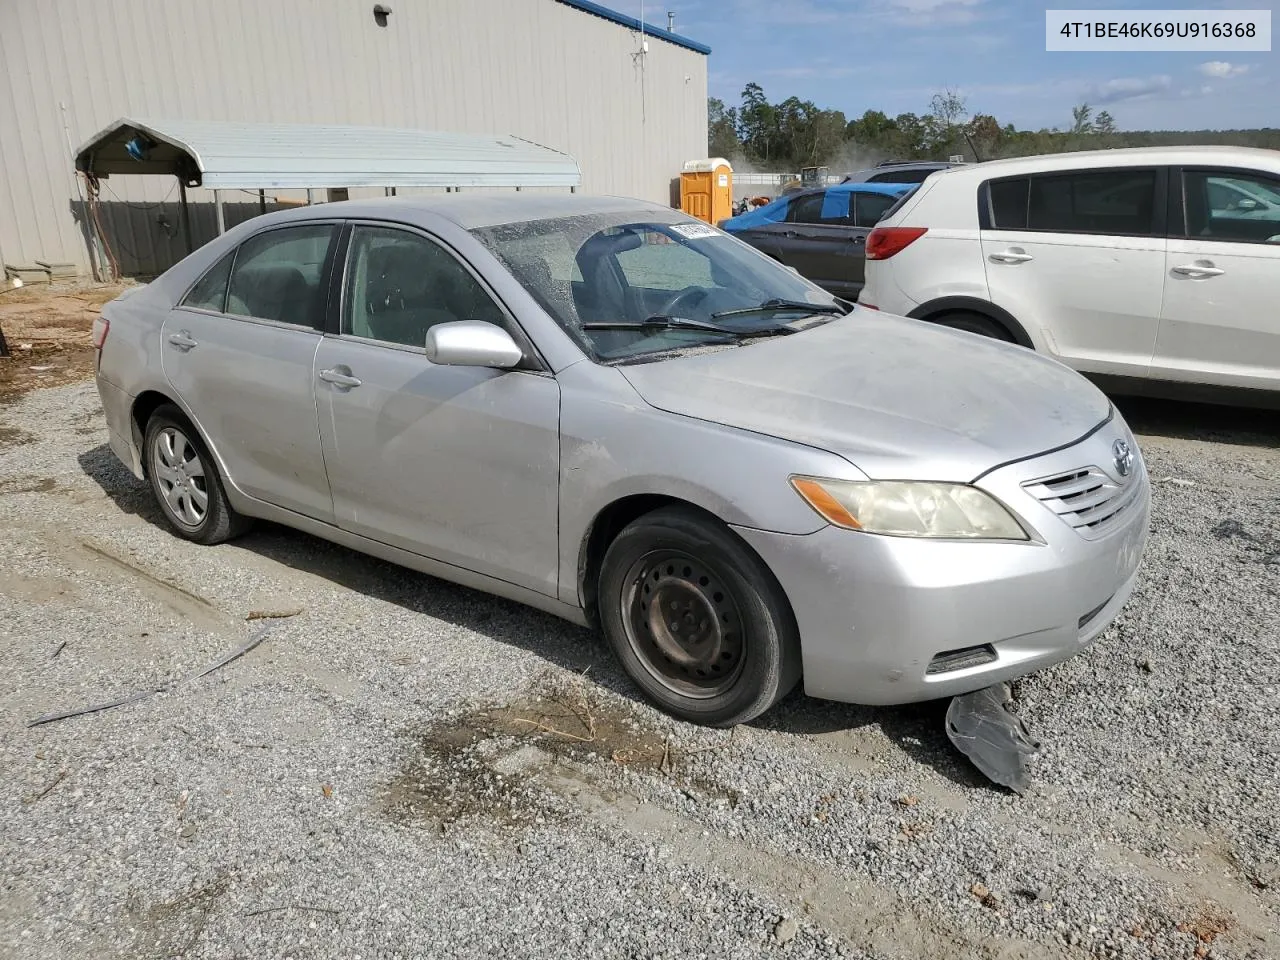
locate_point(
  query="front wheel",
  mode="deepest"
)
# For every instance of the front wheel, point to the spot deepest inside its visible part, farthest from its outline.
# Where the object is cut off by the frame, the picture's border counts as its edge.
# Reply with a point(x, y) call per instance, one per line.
point(697, 620)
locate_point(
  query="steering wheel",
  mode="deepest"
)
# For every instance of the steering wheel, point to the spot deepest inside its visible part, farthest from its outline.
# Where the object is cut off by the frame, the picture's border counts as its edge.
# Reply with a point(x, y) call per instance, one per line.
point(694, 294)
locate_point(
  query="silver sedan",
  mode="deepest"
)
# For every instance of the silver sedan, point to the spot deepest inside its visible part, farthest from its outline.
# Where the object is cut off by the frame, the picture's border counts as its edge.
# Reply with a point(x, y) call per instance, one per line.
point(607, 410)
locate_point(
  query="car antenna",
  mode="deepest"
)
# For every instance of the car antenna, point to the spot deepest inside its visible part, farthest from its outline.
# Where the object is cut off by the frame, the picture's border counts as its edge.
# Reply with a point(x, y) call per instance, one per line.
point(969, 140)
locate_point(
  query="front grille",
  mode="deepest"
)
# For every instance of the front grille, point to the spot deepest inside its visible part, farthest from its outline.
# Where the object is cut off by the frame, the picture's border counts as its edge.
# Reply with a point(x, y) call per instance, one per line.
point(1087, 499)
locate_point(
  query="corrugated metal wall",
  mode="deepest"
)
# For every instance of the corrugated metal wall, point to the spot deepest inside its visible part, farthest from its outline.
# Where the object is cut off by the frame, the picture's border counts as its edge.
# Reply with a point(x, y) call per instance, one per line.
point(533, 68)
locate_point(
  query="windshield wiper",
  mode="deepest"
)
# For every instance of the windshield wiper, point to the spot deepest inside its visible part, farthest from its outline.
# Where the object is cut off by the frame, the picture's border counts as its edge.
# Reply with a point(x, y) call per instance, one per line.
point(779, 304)
point(663, 322)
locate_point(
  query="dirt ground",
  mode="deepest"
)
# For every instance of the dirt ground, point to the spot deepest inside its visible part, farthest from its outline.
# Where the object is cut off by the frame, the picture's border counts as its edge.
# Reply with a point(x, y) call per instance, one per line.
point(47, 327)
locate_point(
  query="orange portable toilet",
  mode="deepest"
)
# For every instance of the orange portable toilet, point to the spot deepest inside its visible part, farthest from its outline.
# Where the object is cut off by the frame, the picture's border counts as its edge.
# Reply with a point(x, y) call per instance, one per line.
point(706, 189)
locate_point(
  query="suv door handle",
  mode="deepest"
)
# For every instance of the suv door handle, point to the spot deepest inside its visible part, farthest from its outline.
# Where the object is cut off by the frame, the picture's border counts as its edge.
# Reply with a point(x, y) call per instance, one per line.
point(858, 239)
point(182, 340)
point(340, 379)
point(1197, 271)
point(1010, 256)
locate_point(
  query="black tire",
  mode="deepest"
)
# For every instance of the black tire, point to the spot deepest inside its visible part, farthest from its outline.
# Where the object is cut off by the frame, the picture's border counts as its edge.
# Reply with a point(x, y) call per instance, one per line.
point(975, 323)
point(197, 481)
point(716, 677)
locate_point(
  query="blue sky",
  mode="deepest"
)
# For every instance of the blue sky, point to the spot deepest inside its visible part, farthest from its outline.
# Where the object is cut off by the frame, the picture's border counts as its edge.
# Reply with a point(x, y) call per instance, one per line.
point(893, 55)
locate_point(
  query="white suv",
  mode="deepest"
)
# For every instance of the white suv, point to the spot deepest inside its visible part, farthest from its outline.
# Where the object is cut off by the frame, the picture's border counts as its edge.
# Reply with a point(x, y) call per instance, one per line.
point(1154, 264)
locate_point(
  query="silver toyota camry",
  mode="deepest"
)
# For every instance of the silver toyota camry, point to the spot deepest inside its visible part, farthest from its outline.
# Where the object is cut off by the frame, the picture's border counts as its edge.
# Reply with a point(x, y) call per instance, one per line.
point(610, 411)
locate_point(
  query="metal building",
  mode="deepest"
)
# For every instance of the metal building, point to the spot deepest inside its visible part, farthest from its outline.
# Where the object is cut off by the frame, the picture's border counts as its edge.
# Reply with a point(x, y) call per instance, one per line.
point(627, 101)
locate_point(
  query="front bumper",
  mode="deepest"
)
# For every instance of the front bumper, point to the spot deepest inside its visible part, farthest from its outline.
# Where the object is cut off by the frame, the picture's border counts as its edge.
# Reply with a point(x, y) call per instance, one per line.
point(881, 618)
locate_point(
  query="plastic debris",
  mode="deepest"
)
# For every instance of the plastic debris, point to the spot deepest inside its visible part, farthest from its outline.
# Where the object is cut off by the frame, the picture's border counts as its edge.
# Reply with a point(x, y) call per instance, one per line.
point(995, 739)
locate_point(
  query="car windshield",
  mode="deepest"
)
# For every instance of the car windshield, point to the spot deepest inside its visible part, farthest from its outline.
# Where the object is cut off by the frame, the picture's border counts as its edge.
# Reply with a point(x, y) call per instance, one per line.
point(681, 283)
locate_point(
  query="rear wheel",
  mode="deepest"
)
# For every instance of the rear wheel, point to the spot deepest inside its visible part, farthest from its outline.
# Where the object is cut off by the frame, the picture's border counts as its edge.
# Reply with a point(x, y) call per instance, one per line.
point(696, 619)
point(975, 323)
point(185, 480)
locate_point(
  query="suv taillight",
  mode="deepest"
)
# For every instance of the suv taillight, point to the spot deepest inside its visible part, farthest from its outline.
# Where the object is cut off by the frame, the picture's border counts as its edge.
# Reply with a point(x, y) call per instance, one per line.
point(101, 326)
point(884, 242)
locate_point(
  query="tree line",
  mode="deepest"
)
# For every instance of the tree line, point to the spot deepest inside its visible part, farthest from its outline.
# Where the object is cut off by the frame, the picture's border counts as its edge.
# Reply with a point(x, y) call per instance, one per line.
point(797, 133)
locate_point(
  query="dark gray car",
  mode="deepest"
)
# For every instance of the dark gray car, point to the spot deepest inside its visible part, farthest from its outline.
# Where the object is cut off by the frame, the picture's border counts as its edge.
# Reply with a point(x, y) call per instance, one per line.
point(821, 232)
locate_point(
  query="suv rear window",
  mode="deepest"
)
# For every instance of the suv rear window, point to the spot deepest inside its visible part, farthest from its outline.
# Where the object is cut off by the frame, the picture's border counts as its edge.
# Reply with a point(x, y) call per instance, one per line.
point(1109, 202)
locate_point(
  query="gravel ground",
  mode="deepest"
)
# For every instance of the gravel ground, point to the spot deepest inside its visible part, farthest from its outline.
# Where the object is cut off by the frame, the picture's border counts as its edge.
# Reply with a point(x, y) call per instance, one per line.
point(403, 768)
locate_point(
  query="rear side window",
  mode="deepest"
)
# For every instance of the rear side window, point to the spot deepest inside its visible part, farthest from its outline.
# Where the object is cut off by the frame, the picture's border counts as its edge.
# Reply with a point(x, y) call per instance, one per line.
point(210, 291)
point(897, 204)
point(1105, 202)
point(830, 207)
point(869, 208)
point(278, 274)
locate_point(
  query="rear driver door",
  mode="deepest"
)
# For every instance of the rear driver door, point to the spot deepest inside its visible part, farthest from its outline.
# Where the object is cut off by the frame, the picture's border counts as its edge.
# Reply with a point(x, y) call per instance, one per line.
point(238, 351)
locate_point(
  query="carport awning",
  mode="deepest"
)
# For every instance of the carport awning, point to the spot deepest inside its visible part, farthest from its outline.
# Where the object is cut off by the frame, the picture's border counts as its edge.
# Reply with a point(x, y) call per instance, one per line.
point(221, 156)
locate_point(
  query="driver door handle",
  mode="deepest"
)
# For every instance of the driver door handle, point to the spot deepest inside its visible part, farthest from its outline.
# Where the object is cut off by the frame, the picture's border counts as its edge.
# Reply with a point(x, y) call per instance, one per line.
point(182, 340)
point(340, 379)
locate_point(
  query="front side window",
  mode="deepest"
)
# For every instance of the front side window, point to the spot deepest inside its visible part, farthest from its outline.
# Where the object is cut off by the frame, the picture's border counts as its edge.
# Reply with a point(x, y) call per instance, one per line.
point(1232, 207)
point(278, 275)
point(400, 284)
point(210, 291)
point(624, 268)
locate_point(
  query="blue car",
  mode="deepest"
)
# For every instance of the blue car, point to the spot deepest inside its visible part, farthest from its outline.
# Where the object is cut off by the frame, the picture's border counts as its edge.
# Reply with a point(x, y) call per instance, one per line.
point(822, 231)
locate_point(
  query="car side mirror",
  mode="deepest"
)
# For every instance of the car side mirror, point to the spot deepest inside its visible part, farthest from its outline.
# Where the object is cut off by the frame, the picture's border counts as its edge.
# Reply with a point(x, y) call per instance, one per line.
point(1247, 203)
point(472, 343)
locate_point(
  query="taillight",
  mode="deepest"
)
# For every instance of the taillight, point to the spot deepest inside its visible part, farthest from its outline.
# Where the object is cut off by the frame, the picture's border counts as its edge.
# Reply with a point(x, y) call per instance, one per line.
point(884, 242)
point(101, 326)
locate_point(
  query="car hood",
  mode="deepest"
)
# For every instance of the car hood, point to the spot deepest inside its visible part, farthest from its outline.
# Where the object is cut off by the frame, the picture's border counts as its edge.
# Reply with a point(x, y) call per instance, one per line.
point(899, 398)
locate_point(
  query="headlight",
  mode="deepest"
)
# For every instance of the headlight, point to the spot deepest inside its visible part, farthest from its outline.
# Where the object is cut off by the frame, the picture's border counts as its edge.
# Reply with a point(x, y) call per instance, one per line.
point(903, 508)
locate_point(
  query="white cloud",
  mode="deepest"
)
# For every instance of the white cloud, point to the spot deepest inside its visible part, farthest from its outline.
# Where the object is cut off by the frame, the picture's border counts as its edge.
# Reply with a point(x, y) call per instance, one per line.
point(1128, 88)
point(1221, 68)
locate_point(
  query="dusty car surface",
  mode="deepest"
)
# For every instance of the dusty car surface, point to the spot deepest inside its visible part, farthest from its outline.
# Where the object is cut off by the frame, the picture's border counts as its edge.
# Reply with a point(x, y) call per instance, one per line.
point(608, 410)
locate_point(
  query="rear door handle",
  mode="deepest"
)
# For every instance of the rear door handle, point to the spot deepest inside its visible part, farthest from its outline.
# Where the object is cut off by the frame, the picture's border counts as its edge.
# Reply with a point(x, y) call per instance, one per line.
point(1197, 272)
point(1010, 256)
point(857, 239)
point(340, 379)
point(182, 340)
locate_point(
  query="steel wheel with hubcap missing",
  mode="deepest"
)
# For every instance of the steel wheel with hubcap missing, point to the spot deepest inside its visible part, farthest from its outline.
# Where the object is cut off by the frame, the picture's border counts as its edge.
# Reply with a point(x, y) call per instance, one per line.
point(683, 623)
point(696, 619)
point(185, 480)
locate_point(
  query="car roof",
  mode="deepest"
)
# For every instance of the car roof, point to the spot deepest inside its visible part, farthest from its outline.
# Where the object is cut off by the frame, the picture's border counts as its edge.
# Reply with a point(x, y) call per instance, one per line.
point(1122, 157)
point(473, 210)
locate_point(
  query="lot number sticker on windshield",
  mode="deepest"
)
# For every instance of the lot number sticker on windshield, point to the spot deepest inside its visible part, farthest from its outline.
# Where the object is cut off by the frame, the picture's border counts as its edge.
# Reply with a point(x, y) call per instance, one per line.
point(694, 231)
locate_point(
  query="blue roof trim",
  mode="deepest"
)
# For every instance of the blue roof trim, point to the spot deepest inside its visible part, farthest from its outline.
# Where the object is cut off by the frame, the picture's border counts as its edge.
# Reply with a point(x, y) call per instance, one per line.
point(586, 6)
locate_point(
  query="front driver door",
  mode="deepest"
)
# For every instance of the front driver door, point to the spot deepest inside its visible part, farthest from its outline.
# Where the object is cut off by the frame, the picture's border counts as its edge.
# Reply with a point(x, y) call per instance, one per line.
point(460, 464)
point(1220, 322)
